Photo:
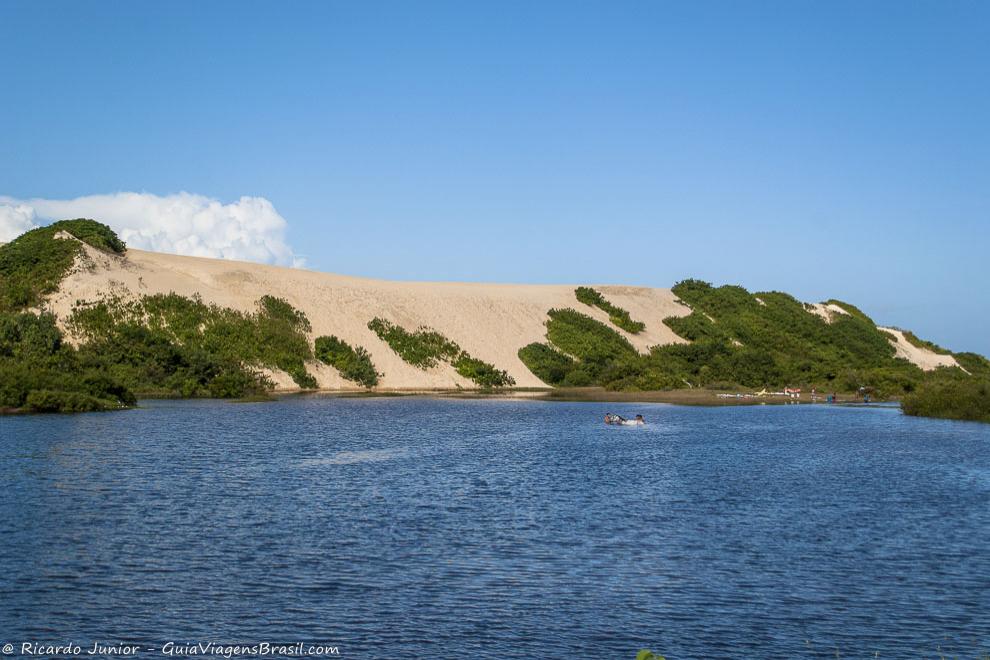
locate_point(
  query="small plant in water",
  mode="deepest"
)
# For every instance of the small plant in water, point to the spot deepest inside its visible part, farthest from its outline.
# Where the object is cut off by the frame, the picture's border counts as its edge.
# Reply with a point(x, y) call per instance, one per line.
point(647, 654)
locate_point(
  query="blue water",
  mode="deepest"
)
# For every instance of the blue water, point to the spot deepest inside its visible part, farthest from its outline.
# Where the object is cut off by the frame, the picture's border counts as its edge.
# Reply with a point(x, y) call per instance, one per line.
point(421, 528)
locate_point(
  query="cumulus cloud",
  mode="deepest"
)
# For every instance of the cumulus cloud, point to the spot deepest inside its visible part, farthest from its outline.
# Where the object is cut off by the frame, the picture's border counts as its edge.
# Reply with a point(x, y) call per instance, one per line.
point(15, 219)
point(249, 229)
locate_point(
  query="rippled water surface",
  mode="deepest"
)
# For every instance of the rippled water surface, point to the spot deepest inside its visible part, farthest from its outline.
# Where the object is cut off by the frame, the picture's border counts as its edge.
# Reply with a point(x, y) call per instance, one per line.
point(467, 529)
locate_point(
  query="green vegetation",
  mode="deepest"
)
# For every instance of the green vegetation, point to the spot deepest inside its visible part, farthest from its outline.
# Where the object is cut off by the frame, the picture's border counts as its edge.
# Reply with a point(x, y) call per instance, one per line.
point(618, 316)
point(744, 340)
point(850, 309)
point(41, 372)
point(354, 364)
point(647, 654)
point(736, 340)
point(553, 367)
point(975, 364)
point(581, 351)
point(162, 345)
point(917, 342)
point(171, 345)
point(66, 402)
point(34, 263)
point(482, 373)
point(950, 397)
point(426, 348)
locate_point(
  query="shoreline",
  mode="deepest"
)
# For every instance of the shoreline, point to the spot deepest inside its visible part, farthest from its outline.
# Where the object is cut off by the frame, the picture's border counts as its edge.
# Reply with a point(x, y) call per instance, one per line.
point(690, 397)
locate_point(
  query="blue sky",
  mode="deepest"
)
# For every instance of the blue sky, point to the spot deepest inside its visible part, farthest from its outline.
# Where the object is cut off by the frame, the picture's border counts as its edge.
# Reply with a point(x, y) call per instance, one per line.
point(826, 149)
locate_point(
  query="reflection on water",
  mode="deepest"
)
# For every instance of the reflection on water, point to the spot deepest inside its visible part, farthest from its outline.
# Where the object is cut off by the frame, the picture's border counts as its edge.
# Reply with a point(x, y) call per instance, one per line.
point(348, 457)
point(490, 529)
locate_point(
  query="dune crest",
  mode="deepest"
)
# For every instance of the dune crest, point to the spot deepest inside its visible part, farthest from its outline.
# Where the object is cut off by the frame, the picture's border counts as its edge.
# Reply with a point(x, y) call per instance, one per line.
point(490, 321)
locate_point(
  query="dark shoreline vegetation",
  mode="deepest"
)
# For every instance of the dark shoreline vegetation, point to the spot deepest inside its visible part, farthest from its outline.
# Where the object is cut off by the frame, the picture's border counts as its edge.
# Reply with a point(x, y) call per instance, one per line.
point(167, 345)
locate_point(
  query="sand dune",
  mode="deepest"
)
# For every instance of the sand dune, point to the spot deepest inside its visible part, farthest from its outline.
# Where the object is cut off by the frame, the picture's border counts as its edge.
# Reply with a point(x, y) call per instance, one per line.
point(924, 358)
point(490, 321)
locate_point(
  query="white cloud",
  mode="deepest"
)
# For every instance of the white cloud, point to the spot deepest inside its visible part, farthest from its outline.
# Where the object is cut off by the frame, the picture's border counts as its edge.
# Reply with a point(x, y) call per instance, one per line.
point(15, 219)
point(249, 229)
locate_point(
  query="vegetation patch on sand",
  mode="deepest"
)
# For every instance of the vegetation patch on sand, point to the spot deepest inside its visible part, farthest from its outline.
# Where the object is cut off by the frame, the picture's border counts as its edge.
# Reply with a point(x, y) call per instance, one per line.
point(917, 342)
point(580, 351)
point(168, 344)
point(162, 345)
point(426, 348)
point(737, 339)
point(618, 316)
point(34, 263)
point(354, 364)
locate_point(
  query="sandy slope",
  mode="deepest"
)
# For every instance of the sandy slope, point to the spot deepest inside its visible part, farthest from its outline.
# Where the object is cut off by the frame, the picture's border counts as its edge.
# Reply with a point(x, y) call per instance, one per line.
point(922, 357)
point(490, 321)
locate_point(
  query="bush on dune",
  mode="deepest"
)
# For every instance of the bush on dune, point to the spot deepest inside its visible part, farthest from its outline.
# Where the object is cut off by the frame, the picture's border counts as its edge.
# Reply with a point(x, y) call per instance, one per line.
point(547, 363)
point(751, 340)
point(483, 374)
point(169, 344)
point(618, 316)
point(426, 348)
point(354, 364)
point(34, 263)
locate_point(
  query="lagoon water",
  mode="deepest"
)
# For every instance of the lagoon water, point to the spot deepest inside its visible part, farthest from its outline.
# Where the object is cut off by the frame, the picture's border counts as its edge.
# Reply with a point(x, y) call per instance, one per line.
point(425, 528)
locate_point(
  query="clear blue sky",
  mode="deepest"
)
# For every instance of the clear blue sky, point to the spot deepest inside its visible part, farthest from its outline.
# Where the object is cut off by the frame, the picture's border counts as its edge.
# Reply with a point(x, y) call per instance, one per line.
point(827, 149)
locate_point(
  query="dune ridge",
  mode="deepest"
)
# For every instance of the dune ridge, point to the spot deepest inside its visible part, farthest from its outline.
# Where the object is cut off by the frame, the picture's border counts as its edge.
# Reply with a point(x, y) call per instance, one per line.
point(490, 321)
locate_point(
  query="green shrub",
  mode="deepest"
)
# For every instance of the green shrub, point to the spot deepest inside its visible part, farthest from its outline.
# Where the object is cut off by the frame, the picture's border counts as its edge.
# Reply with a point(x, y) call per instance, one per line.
point(547, 363)
point(33, 358)
point(646, 654)
point(917, 342)
point(482, 373)
point(851, 309)
point(167, 344)
point(354, 364)
point(618, 316)
point(975, 364)
point(66, 402)
point(34, 263)
point(424, 348)
point(950, 398)
point(695, 327)
point(585, 338)
point(751, 340)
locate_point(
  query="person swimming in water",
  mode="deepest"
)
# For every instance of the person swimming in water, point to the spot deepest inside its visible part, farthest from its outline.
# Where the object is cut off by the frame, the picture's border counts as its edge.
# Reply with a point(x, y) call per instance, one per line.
point(622, 421)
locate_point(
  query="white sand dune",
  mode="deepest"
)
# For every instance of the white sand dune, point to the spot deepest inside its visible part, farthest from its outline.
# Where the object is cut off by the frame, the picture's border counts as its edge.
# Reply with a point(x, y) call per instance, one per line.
point(490, 321)
point(924, 358)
